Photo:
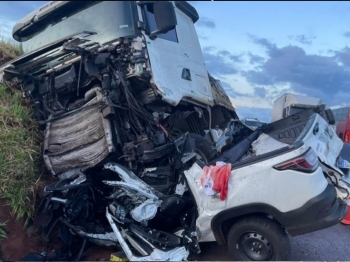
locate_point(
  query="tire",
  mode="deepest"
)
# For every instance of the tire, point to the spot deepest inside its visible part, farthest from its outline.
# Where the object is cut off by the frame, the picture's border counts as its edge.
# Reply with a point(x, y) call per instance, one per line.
point(261, 234)
point(204, 148)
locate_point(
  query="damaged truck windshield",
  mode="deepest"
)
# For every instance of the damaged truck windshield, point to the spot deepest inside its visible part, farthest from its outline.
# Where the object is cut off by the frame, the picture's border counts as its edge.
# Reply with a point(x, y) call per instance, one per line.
point(109, 20)
point(148, 151)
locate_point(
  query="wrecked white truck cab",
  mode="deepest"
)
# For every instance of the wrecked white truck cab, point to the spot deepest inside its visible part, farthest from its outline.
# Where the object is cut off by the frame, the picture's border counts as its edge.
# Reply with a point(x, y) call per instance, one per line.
point(131, 122)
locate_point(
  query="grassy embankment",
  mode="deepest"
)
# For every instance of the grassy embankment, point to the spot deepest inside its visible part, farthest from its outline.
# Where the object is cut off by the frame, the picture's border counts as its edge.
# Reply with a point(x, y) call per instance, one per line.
point(20, 154)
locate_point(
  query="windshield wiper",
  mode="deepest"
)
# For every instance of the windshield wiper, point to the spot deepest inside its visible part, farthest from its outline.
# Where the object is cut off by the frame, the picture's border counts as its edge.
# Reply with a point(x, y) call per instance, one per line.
point(74, 44)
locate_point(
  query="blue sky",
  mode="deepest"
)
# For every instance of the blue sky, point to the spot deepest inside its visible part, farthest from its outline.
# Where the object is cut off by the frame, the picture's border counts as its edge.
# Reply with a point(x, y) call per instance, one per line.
point(277, 47)
point(260, 50)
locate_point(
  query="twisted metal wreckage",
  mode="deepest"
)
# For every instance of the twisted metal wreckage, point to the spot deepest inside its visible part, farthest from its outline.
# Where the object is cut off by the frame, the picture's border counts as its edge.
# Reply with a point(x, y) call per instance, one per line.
point(78, 140)
point(88, 123)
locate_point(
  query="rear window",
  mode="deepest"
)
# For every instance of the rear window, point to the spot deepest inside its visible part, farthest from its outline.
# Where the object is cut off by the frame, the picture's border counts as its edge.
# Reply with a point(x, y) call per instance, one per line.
point(295, 110)
point(341, 114)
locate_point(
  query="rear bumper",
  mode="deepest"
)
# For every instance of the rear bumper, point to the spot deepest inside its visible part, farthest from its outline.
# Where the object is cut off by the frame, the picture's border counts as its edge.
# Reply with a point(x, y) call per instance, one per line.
point(323, 211)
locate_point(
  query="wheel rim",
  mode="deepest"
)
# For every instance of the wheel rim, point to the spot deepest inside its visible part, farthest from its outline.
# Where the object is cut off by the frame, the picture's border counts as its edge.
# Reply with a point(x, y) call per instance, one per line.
point(255, 246)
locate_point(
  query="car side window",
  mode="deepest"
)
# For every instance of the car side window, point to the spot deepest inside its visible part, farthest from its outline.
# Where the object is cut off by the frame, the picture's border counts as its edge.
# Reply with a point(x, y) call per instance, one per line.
point(151, 25)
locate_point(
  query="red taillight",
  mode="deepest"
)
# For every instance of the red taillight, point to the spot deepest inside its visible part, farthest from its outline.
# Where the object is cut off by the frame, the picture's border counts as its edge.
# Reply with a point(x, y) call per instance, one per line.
point(347, 136)
point(307, 162)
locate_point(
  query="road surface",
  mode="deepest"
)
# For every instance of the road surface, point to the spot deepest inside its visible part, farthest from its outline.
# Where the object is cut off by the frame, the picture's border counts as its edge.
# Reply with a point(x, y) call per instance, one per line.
point(332, 244)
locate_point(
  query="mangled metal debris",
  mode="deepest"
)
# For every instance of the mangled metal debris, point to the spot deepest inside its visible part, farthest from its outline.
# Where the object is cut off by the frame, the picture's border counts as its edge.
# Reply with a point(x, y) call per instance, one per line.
point(133, 211)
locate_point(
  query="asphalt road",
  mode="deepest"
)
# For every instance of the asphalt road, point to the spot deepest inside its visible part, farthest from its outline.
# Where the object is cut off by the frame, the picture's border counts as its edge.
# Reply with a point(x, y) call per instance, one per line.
point(332, 244)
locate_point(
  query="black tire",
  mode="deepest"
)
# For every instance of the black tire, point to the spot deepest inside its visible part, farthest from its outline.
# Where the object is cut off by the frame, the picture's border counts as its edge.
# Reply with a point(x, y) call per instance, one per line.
point(204, 148)
point(260, 234)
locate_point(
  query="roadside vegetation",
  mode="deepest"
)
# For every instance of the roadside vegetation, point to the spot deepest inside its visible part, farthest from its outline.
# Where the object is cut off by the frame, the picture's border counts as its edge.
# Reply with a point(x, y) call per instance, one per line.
point(20, 148)
point(3, 232)
point(9, 49)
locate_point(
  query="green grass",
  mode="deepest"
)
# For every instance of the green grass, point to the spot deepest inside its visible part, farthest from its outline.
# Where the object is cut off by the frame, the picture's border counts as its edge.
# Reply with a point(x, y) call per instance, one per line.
point(9, 49)
point(20, 155)
point(3, 232)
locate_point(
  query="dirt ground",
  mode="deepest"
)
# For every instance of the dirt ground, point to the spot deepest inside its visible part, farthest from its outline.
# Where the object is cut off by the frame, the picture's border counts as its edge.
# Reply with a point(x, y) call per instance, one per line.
point(17, 244)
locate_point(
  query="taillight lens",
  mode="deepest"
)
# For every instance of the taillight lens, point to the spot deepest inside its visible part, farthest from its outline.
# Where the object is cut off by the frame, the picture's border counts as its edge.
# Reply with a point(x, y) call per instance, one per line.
point(307, 162)
point(347, 136)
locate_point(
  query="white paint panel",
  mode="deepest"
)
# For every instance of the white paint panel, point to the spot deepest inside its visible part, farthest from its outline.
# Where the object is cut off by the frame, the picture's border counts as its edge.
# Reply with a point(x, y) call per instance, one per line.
point(258, 183)
point(326, 143)
point(168, 59)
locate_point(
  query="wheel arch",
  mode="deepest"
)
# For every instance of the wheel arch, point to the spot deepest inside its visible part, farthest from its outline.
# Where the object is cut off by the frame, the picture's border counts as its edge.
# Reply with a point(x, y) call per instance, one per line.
point(222, 221)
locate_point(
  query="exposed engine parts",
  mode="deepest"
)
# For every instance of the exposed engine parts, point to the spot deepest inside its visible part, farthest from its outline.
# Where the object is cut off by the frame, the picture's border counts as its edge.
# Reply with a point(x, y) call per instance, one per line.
point(119, 149)
point(97, 103)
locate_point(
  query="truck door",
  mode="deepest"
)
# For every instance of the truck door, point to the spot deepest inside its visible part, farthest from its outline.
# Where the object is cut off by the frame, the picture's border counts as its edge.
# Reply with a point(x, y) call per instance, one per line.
point(176, 60)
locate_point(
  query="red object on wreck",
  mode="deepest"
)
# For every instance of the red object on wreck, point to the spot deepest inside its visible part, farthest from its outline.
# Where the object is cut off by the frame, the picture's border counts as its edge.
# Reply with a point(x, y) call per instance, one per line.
point(346, 219)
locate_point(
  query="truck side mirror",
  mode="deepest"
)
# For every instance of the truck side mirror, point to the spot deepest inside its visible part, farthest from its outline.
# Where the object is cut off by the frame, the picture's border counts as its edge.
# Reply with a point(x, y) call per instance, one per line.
point(164, 14)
